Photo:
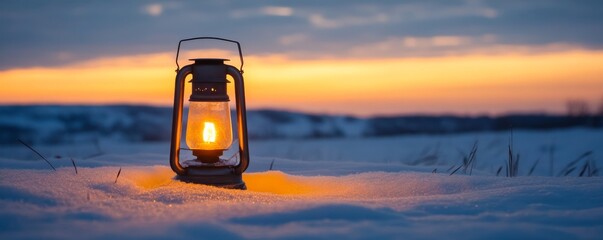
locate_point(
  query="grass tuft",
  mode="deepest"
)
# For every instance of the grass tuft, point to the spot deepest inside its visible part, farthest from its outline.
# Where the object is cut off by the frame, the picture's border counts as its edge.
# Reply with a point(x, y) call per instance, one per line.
point(472, 158)
point(585, 168)
point(512, 162)
point(533, 167)
point(589, 169)
point(594, 170)
point(452, 167)
point(271, 164)
point(31, 148)
point(455, 170)
point(571, 166)
point(74, 166)
point(468, 161)
point(118, 172)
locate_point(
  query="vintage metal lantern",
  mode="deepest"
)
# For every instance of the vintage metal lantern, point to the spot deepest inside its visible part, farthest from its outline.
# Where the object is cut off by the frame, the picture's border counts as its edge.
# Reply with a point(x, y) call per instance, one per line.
point(209, 127)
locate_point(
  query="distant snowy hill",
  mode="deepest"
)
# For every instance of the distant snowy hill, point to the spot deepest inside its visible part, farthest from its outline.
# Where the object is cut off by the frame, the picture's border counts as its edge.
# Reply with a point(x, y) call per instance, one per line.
point(68, 124)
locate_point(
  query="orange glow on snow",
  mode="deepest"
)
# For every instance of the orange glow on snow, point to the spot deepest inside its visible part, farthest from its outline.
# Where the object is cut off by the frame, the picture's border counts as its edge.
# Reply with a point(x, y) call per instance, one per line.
point(280, 183)
point(149, 178)
point(276, 182)
point(463, 84)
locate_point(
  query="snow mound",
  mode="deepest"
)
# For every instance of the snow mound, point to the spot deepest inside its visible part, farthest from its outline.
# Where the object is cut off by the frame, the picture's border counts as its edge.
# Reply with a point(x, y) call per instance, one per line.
point(145, 202)
point(366, 188)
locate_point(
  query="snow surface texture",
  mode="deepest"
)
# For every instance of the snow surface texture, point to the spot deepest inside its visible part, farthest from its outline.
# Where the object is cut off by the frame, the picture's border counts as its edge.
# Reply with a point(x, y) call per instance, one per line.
point(349, 188)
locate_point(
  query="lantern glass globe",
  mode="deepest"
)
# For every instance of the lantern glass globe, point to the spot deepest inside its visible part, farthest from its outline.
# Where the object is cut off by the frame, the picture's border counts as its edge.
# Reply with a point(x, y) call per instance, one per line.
point(208, 126)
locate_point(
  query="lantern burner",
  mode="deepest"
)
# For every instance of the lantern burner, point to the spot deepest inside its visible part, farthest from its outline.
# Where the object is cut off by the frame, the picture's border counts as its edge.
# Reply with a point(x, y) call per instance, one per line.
point(208, 156)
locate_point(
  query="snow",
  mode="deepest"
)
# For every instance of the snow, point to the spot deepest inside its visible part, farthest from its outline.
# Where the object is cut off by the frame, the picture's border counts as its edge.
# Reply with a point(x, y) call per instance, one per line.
point(365, 188)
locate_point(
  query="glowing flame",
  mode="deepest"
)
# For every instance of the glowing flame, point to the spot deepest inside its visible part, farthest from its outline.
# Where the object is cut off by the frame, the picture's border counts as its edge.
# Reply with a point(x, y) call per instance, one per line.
point(209, 132)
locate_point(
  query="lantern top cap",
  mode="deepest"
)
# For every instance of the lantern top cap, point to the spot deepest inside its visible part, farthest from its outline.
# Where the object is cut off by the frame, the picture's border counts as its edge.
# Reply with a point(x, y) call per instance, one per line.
point(210, 61)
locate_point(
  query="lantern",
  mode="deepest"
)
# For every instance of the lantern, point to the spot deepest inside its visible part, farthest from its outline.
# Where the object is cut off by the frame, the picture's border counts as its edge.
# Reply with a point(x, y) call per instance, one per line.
point(209, 128)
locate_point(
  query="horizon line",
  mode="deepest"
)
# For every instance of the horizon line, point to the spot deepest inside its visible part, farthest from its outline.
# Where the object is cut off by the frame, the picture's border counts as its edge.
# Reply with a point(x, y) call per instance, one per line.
point(299, 111)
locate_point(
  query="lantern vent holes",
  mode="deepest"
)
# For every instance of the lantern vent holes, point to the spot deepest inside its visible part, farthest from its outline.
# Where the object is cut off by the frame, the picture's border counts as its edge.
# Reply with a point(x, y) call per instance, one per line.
point(209, 92)
point(205, 89)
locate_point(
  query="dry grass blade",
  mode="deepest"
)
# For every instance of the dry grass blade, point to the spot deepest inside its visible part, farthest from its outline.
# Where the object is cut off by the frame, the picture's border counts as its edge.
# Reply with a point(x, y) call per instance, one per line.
point(74, 166)
point(498, 171)
point(468, 160)
point(31, 148)
point(510, 162)
point(585, 168)
point(455, 170)
point(568, 171)
point(271, 164)
point(572, 165)
point(533, 167)
point(472, 157)
point(516, 166)
point(594, 170)
point(118, 172)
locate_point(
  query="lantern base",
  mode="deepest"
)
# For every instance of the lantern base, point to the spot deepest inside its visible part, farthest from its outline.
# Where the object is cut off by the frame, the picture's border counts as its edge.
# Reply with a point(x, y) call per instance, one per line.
point(209, 176)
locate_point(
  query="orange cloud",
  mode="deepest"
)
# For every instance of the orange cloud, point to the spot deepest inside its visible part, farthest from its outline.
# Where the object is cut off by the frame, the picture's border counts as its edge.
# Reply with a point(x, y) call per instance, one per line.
point(460, 84)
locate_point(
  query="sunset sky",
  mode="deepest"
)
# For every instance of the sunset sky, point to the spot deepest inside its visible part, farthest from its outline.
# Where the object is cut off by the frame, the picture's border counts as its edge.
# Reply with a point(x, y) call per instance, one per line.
point(340, 57)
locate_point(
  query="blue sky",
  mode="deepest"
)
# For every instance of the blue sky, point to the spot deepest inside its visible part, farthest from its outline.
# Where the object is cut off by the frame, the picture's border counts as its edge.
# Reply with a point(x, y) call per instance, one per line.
point(48, 33)
point(351, 57)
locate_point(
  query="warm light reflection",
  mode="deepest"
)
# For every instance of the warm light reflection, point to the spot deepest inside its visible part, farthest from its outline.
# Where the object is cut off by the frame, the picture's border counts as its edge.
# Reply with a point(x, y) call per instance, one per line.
point(459, 84)
point(149, 178)
point(279, 183)
point(209, 132)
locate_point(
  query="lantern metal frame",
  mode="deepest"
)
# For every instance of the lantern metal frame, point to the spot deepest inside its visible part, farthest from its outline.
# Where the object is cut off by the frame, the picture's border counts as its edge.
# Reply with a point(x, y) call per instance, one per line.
point(221, 176)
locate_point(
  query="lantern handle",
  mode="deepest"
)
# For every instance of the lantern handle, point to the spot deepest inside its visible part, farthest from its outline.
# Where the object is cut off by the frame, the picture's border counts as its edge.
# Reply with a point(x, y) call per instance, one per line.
point(212, 38)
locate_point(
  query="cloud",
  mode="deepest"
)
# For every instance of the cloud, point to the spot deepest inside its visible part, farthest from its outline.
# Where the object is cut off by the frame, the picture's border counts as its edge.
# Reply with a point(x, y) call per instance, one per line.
point(449, 41)
point(277, 11)
point(446, 41)
point(296, 28)
point(154, 9)
point(292, 39)
point(432, 45)
point(383, 14)
point(413, 43)
point(453, 45)
point(415, 11)
point(320, 21)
